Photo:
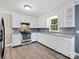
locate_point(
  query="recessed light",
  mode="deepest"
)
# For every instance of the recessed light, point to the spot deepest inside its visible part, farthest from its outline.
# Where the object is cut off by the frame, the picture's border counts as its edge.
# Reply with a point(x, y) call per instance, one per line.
point(27, 7)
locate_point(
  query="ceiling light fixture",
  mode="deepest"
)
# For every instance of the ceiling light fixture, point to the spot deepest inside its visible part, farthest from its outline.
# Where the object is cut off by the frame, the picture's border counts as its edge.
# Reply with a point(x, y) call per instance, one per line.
point(27, 7)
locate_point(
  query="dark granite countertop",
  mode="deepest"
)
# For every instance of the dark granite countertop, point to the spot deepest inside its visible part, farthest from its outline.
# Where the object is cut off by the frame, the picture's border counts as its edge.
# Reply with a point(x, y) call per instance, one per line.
point(57, 34)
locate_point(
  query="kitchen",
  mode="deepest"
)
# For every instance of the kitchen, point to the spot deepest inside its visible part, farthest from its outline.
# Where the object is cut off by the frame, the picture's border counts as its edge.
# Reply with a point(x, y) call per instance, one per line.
point(54, 28)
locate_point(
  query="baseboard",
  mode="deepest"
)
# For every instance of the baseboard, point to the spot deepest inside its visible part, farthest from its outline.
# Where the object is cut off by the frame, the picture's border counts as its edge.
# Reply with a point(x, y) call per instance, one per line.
point(7, 45)
point(16, 46)
point(23, 44)
point(28, 43)
point(52, 49)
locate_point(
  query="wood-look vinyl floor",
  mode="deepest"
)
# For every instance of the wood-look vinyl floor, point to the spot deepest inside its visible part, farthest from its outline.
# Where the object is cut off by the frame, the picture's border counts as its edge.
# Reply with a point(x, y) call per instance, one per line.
point(32, 51)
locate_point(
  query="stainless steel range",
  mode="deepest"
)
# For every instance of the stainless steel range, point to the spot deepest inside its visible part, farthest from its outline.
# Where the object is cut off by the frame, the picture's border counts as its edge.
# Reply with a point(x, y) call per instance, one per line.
point(26, 36)
point(25, 32)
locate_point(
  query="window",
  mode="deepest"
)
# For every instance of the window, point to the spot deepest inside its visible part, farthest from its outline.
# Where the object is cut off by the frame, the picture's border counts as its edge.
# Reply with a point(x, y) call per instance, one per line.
point(53, 23)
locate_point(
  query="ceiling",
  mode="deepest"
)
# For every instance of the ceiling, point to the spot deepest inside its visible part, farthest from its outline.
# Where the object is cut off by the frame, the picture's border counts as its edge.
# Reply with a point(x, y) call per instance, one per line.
point(39, 7)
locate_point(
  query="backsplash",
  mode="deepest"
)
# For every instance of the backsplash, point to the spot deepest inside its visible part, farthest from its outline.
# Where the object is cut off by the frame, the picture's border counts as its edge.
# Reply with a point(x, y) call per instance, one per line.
point(16, 30)
point(68, 30)
point(39, 29)
point(34, 29)
point(63, 30)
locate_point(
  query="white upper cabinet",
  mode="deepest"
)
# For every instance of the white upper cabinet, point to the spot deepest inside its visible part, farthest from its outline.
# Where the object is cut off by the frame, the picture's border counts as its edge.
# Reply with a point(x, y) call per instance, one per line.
point(42, 22)
point(15, 22)
point(18, 18)
point(61, 18)
point(69, 20)
point(76, 2)
point(66, 16)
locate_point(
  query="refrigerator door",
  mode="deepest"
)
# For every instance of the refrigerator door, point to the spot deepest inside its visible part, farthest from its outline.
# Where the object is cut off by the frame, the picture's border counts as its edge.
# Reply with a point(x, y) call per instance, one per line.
point(2, 41)
point(0, 49)
point(0, 38)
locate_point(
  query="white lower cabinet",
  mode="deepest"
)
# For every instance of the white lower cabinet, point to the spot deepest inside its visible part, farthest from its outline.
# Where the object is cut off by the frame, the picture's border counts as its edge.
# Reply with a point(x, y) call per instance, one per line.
point(34, 37)
point(64, 45)
point(16, 40)
point(41, 38)
point(51, 41)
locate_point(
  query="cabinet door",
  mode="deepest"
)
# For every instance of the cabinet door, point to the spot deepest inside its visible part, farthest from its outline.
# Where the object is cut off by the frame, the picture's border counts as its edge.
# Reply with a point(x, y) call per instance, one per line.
point(46, 40)
point(52, 41)
point(42, 22)
point(61, 18)
point(41, 38)
point(65, 46)
point(76, 2)
point(34, 36)
point(69, 16)
point(16, 21)
point(16, 39)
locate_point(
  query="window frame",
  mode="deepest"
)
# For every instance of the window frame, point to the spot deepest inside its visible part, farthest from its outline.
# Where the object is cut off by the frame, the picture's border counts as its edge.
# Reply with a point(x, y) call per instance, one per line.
point(49, 23)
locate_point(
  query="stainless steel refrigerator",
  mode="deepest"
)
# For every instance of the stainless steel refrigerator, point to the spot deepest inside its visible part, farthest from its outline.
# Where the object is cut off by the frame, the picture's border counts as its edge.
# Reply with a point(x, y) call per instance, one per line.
point(2, 37)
